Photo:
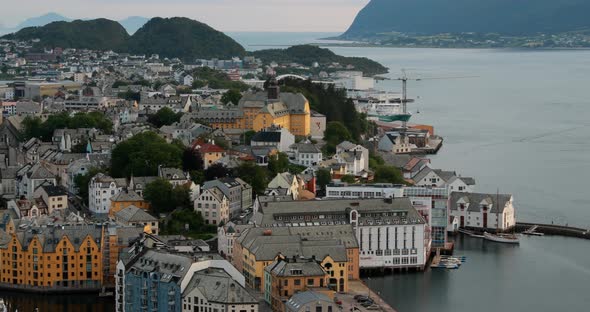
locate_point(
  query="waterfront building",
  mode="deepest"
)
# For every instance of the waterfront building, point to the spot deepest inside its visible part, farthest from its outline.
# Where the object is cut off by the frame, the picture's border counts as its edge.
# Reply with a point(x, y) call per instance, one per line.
point(390, 233)
point(160, 280)
point(285, 277)
point(482, 211)
point(213, 206)
point(461, 184)
point(396, 143)
point(335, 247)
point(238, 192)
point(433, 177)
point(432, 204)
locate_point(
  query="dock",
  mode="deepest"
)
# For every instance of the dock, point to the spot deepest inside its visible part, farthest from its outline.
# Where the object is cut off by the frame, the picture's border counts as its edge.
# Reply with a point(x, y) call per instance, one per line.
point(358, 287)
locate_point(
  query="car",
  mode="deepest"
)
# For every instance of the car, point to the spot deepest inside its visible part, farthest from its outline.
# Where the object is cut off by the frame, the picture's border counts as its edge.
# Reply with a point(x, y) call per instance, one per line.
point(373, 307)
point(367, 303)
point(357, 297)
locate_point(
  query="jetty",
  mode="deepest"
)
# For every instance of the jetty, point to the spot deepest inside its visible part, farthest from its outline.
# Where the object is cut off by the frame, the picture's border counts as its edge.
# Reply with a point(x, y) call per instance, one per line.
point(553, 229)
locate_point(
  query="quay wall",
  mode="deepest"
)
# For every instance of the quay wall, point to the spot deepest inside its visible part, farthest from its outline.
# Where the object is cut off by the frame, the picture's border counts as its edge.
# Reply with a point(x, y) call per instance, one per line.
point(552, 229)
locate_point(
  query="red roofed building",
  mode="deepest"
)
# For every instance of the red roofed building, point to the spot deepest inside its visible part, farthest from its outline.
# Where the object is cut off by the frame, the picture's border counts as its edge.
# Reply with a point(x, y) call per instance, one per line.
point(209, 152)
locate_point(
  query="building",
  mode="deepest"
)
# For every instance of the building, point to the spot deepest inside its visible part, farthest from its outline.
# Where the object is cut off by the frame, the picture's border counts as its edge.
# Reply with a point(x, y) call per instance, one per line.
point(461, 184)
point(226, 235)
point(174, 175)
point(134, 216)
point(390, 232)
point(210, 153)
point(318, 125)
point(432, 204)
point(307, 301)
point(356, 158)
point(284, 184)
point(395, 142)
point(483, 211)
point(433, 177)
point(238, 192)
point(30, 177)
point(332, 246)
point(100, 191)
point(306, 154)
point(160, 280)
point(54, 197)
point(376, 190)
point(213, 205)
point(287, 276)
point(277, 137)
point(216, 290)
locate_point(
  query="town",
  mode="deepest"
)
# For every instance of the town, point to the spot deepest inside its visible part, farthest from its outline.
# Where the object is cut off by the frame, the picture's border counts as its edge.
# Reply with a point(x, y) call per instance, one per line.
point(218, 185)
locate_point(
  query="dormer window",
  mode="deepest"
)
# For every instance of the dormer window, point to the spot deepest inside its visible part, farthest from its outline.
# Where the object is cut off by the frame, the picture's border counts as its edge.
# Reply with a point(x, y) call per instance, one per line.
point(462, 207)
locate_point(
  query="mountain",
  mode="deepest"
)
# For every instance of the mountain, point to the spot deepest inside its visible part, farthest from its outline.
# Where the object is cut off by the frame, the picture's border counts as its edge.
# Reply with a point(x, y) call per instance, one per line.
point(183, 38)
point(133, 23)
point(509, 17)
point(42, 20)
point(308, 54)
point(169, 37)
point(98, 34)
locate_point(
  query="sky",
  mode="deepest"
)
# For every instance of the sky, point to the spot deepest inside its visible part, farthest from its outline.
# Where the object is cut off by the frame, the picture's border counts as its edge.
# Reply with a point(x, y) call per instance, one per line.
point(224, 15)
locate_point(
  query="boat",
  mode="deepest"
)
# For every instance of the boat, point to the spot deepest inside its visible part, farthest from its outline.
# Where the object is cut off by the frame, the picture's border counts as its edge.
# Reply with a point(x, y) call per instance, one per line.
point(3, 307)
point(502, 238)
point(382, 106)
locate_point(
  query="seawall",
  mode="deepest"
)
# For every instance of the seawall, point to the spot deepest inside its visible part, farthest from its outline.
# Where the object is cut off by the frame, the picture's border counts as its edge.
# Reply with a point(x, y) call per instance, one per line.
point(552, 229)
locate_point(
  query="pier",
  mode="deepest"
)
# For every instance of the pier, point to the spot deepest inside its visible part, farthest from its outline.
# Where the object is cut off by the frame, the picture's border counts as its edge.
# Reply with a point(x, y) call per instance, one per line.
point(552, 229)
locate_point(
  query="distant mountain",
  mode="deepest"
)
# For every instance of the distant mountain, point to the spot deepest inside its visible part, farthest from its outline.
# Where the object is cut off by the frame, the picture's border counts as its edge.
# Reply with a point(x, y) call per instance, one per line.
point(133, 23)
point(98, 34)
point(169, 37)
point(511, 17)
point(183, 38)
point(42, 20)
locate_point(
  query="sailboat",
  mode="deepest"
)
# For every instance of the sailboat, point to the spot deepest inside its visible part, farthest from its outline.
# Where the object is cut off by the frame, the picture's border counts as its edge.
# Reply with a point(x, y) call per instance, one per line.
point(500, 237)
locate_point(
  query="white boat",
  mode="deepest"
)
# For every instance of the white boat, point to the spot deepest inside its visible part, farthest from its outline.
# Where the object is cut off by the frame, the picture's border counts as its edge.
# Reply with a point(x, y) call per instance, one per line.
point(502, 238)
point(382, 106)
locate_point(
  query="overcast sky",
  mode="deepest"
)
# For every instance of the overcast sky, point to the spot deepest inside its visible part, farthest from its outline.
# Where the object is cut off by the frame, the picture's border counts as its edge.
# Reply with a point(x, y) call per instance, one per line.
point(225, 15)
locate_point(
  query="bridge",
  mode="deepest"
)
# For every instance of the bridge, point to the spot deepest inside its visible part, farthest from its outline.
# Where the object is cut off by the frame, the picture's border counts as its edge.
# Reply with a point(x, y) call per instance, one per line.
point(281, 77)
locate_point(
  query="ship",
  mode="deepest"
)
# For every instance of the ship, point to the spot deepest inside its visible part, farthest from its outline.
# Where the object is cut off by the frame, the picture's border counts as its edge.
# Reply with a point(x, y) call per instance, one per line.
point(382, 106)
point(502, 238)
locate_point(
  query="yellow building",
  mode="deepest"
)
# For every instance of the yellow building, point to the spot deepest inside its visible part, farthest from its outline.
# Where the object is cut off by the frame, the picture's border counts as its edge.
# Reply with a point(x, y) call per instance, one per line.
point(126, 198)
point(260, 110)
point(258, 251)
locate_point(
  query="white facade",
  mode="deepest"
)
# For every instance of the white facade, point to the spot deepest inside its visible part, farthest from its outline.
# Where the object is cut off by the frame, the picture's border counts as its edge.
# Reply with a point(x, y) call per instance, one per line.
point(306, 154)
point(356, 157)
point(213, 206)
point(364, 191)
point(188, 80)
point(458, 184)
point(395, 143)
point(483, 211)
point(100, 190)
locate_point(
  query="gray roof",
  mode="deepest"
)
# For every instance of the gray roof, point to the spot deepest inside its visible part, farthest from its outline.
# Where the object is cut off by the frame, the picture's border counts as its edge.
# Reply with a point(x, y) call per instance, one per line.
point(444, 175)
point(219, 287)
point(171, 267)
point(51, 236)
point(168, 173)
point(306, 148)
point(134, 214)
point(126, 195)
point(473, 201)
point(302, 267)
point(303, 298)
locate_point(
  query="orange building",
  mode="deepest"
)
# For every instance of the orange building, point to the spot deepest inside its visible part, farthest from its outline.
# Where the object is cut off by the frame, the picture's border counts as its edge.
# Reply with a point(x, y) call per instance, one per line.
point(126, 198)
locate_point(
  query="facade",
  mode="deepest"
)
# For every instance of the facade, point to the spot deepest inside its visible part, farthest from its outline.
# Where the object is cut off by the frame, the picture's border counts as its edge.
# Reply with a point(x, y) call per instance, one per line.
point(390, 233)
point(210, 153)
point(238, 192)
point(134, 216)
point(376, 190)
point(213, 205)
point(226, 235)
point(461, 184)
point(126, 198)
point(279, 138)
point(286, 182)
point(100, 191)
point(483, 211)
point(306, 154)
point(432, 204)
point(174, 175)
point(30, 177)
point(54, 197)
point(356, 157)
point(318, 125)
point(395, 142)
point(433, 177)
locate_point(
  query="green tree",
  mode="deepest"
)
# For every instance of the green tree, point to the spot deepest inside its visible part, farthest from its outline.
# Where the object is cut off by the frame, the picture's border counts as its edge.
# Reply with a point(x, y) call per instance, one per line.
point(248, 136)
point(142, 154)
point(191, 160)
point(160, 195)
point(335, 133)
point(232, 95)
point(164, 117)
point(278, 163)
point(324, 177)
point(348, 179)
point(375, 161)
point(179, 220)
point(254, 175)
point(129, 96)
point(389, 174)
point(216, 171)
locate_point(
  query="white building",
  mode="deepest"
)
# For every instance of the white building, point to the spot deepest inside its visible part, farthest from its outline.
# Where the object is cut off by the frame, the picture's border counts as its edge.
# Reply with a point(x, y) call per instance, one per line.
point(482, 211)
point(461, 184)
point(226, 235)
point(317, 123)
point(100, 190)
point(274, 136)
point(306, 154)
point(356, 157)
point(30, 177)
point(213, 205)
point(433, 177)
point(188, 80)
point(394, 142)
point(377, 190)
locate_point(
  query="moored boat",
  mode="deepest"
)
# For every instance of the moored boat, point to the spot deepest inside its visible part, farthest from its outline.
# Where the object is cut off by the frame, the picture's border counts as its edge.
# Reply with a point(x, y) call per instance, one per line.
point(502, 238)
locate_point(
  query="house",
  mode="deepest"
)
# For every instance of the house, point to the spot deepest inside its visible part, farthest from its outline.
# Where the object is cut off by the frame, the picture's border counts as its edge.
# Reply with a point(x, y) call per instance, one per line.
point(100, 191)
point(174, 175)
point(461, 184)
point(210, 153)
point(188, 80)
point(30, 177)
point(306, 154)
point(433, 177)
point(238, 192)
point(65, 139)
point(284, 184)
point(213, 205)
point(54, 197)
point(274, 136)
point(125, 198)
point(9, 181)
point(356, 158)
point(395, 142)
point(411, 168)
point(226, 236)
point(134, 216)
point(483, 211)
point(310, 301)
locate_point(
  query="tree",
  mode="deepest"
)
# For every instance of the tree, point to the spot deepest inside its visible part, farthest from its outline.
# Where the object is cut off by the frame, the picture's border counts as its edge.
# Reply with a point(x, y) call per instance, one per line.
point(181, 219)
point(278, 163)
point(34, 127)
point(142, 154)
point(216, 171)
point(164, 117)
point(81, 182)
point(129, 95)
point(254, 175)
point(324, 177)
point(232, 95)
point(160, 195)
point(375, 161)
point(248, 136)
point(389, 174)
point(191, 160)
point(80, 147)
point(335, 133)
point(348, 178)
